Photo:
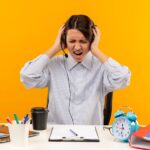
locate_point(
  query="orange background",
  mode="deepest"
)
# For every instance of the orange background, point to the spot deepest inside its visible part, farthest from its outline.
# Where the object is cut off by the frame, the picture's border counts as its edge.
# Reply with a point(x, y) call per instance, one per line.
point(28, 28)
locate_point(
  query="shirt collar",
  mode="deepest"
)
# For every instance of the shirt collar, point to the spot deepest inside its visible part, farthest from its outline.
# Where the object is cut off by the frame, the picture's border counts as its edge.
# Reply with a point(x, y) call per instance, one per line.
point(87, 62)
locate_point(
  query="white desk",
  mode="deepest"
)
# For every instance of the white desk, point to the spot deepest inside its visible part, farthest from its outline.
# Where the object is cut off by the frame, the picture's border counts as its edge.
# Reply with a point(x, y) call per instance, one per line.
point(40, 142)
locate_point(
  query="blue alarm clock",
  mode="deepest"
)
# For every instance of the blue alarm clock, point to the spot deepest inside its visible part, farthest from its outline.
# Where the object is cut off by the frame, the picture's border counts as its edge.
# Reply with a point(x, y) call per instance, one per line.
point(124, 124)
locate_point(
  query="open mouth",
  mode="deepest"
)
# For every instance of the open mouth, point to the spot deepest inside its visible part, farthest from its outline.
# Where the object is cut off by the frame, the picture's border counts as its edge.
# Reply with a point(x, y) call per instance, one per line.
point(77, 53)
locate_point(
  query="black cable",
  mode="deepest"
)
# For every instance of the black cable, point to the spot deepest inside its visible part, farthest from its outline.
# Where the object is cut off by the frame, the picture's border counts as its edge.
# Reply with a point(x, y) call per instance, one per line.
point(64, 57)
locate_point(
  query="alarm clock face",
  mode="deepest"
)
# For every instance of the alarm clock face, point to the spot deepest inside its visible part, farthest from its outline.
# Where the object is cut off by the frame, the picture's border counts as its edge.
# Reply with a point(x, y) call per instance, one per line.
point(121, 128)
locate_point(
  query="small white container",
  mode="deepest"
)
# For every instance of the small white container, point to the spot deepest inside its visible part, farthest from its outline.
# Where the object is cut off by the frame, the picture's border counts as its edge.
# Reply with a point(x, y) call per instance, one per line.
point(18, 134)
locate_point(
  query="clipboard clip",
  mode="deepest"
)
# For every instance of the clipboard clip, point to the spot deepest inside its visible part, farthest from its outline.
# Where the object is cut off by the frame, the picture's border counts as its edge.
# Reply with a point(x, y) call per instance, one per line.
point(74, 138)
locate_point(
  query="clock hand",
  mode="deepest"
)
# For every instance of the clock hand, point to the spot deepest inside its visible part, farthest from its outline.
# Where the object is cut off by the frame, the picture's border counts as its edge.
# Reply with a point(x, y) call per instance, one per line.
point(122, 126)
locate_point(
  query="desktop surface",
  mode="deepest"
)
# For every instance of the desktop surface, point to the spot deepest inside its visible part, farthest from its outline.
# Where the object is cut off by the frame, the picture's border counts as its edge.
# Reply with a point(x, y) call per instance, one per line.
point(40, 142)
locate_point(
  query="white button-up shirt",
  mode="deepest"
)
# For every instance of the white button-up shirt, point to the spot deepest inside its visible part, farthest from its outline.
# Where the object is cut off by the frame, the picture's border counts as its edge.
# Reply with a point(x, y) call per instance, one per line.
point(76, 90)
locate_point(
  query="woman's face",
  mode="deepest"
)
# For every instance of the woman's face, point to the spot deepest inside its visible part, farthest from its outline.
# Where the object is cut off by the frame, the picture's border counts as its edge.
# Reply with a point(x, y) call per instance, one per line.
point(77, 44)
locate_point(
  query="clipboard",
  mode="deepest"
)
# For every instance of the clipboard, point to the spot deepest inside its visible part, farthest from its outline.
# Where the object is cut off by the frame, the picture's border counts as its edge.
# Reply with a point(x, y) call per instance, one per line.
point(84, 134)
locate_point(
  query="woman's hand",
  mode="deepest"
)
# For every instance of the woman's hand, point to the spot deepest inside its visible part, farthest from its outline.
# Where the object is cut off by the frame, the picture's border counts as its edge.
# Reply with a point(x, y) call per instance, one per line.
point(56, 47)
point(57, 44)
point(94, 45)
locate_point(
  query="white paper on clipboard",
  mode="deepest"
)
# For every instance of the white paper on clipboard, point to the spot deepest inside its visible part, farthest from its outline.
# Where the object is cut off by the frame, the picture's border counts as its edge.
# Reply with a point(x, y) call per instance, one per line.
point(84, 133)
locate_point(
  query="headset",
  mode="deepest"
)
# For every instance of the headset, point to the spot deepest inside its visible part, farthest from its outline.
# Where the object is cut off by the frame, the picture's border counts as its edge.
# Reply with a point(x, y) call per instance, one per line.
point(63, 46)
point(65, 54)
point(63, 38)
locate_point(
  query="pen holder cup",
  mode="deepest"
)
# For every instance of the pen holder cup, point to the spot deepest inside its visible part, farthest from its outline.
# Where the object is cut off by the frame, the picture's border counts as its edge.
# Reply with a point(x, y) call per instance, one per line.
point(39, 118)
point(18, 134)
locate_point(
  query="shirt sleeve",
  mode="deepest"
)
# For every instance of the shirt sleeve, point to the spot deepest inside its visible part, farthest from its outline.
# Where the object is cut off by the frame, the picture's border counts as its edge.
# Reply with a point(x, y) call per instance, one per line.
point(115, 76)
point(35, 73)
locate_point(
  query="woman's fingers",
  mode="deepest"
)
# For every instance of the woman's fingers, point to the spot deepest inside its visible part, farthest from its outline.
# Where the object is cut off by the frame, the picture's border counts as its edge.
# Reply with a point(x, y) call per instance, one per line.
point(61, 29)
point(96, 32)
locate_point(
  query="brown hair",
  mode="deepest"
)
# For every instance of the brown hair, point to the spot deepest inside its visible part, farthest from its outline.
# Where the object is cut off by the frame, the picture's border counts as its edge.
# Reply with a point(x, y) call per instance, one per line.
point(80, 22)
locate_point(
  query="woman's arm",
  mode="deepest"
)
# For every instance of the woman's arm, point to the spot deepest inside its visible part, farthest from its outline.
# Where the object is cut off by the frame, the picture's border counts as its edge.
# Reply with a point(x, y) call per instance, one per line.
point(115, 75)
point(36, 73)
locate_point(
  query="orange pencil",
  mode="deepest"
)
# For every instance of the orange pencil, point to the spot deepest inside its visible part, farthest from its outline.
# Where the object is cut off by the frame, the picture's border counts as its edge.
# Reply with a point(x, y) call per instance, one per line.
point(8, 120)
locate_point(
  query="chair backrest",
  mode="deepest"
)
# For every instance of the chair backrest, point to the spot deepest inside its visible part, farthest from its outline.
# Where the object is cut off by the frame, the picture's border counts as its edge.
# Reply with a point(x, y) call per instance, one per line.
point(108, 108)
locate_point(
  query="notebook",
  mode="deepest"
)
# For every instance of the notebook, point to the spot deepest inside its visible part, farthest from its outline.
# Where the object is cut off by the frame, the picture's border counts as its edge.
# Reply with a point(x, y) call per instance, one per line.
point(141, 138)
point(74, 133)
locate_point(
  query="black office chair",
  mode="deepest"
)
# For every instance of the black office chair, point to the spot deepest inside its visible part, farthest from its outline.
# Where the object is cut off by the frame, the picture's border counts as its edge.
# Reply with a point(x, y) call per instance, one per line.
point(108, 108)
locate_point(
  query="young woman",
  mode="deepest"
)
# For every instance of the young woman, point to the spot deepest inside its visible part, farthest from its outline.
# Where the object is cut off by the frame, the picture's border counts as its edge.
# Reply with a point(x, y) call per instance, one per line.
point(77, 81)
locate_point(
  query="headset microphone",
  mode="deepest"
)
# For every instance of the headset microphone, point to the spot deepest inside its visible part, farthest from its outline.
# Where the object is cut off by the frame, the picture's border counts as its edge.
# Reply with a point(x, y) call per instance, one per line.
point(65, 54)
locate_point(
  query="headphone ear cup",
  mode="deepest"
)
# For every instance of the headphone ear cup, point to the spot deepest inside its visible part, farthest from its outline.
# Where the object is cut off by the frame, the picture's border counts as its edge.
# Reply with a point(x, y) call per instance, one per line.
point(63, 41)
point(93, 37)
